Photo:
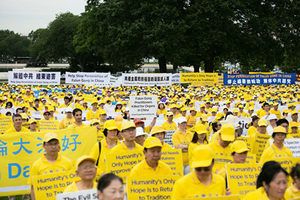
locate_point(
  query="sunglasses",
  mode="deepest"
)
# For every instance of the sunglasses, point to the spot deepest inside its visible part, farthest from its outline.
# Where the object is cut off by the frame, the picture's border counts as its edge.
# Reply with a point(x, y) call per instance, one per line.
point(199, 169)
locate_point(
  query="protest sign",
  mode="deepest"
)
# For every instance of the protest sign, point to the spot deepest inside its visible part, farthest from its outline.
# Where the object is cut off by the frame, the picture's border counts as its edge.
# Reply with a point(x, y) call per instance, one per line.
point(229, 197)
point(292, 144)
point(144, 188)
point(258, 147)
point(168, 137)
point(80, 195)
point(260, 79)
point(146, 79)
point(287, 163)
point(143, 106)
point(5, 123)
point(176, 78)
point(48, 125)
point(244, 124)
point(49, 185)
point(120, 163)
point(33, 78)
point(199, 78)
point(19, 150)
point(242, 178)
point(173, 157)
point(88, 78)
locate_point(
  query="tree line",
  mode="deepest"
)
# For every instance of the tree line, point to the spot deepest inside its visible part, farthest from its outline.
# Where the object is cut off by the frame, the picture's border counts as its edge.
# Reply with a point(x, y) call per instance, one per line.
point(116, 35)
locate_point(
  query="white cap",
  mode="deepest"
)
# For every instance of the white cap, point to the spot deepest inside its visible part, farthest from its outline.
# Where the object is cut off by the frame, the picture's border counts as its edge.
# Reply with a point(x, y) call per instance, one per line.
point(181, 120)
point(126, 109)
point(68, 109)
point(140, 131)
point(272, 116)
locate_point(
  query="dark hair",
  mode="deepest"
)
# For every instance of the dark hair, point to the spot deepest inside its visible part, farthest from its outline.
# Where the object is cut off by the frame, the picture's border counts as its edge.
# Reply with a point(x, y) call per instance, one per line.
point(269, 170)
point(195, 138)
point(228, 113)
point(19, 109)
point(295, 171)
point(16, 115)
point(282, 121)
point(36, 100)
point(254, 118)
point(214, 126)
point(9, 103)
point(265, 104)
point(76, 110)
point(106, 180)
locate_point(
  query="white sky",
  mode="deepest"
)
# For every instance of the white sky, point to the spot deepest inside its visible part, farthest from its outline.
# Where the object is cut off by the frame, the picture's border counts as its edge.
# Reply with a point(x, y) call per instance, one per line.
point(23, 16)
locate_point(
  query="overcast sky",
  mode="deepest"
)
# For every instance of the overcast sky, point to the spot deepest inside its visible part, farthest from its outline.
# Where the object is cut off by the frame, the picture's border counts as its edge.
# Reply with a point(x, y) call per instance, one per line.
point(23, 16)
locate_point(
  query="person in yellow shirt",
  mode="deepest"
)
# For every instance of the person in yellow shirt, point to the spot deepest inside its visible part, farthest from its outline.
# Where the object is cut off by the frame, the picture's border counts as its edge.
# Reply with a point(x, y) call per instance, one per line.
point(294, 129)
point(276, 111)
point(169, 124)
point(77, 114)
point(277, 149)
point(94, 112)
point(151, 166)
point(294, 190)
point(32, 125)
point(36, 106)
point(100, 135)
point(17, 125)
point(181, 140)
point(264, 111)
point(160, 133)
point(67, 102)
point(110, 187)
point(271, 183)
point(191, 118)
point(239, 151)
point(161, 109)
point(201, 182)
point(68, 120)
point(86, 171)
point(241, 111)
point(50, 162)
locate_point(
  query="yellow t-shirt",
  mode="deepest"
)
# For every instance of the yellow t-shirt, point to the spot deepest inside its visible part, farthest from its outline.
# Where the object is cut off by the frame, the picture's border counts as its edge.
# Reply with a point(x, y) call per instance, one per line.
point(73, 187)
point(122, 148)
point(13, 130)
point(142, 169)
point(189, 187)
point(73, 125)
point(191, 120)
point(167, 126)
point(92, 115)
point(251, 131)
point(222, 155)
point(273, 152)
point(258, 194)
point(184, 139)
point(43, 166)
point(65, 122)
point(277, 113)
point(291, 192)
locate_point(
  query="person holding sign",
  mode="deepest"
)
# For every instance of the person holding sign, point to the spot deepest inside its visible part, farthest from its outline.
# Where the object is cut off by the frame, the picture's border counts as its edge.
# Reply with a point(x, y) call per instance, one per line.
point(239, 151)
point(110, 187)
point(86, 171)
point(294, 190)
point(159, 132)
point(201, 182)
point(102, 148)
point(51, 162)
point(277, 149)
point(181, 140)
point(151, 166)
point(271, 183)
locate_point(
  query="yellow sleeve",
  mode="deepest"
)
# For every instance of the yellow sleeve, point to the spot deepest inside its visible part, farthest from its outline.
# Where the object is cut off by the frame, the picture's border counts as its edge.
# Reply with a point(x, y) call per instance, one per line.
point(88, 116)
point(95, 151)
point(147, 129)
point(175, 139)
point(266, 156)
point(61, 124)
point(33, 172)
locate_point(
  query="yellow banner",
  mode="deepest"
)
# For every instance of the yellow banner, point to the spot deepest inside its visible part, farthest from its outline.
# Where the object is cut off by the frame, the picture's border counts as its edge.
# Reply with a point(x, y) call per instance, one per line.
point(19, 150)
point(48, 125)
point(145, 188)
point(241, 178)
point(48, 186)
point(259, 145)
point(173, 157)
point(199, 78)
point(121, 163)
point(5, 123)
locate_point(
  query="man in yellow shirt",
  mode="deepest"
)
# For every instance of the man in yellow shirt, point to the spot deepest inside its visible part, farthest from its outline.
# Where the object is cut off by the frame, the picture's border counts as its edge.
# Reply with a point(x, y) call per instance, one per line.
point(169, 124)
point(77, 114)
point(86, 171)
point(94, 112)
point(151, 166)
point(17, 125)
point(201, 182)
point(68, 120)
point(51, 162)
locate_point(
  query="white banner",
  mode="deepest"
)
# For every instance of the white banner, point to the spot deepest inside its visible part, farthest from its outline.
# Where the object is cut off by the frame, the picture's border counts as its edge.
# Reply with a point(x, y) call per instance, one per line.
point(33, 78)
point(115, 81)
point(143, 106)
point(80, 195)
point(244, 124)
point(176, 78)
point(292, 144)
point(88, 78)
point(147, 79)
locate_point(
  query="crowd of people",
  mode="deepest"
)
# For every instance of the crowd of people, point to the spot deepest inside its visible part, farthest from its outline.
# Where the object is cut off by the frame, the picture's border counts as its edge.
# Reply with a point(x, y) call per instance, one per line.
point(203, 122)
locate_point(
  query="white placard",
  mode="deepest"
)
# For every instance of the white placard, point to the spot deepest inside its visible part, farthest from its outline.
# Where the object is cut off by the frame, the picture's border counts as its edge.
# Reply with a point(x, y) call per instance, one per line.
point(92, 78)
point(33, 78)
point(292, 144)
point(80, 195)
point(244, 124)
point(176, 78)
point(143, 106)
point(147, 79)
point(115, 81)
point(168, 137)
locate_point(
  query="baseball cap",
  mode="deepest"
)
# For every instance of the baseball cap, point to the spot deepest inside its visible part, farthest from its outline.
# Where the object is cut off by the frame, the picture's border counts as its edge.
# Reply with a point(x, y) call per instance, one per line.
point(169, 114)
point(294, 124)
point(202, 156)
point(262, 122)
point(140, 131)
point(181, 120)
point(32, 121)
point(84, 158)
point(279, 129)
point(94, 121)
point(102, 112)
point(272, 116)
point(227, 132)
point(138, 120)
point(50, 136)
point(68, 109)
point(24, 115)
point(110, 125)
point(126, 125)
point(294, 112)
point(46, 111)
point(157, 129)
point(239, 146)
point(151, 142)
point(200, 129)
point(204, 118)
